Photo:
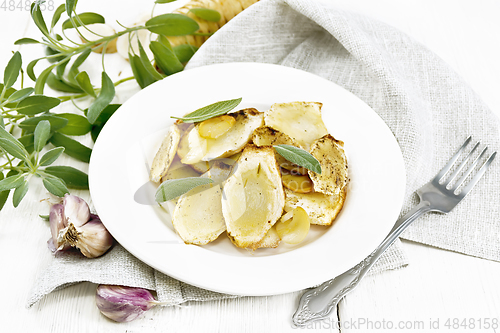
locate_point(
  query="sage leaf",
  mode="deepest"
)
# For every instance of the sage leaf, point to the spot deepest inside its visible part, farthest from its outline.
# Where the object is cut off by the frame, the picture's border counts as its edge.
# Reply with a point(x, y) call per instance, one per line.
point(4, 134)
point(23, 41)
point(210, 111)
point(142, 76)
point(164, 1)
point(55, 185)
point(147, 63)
point(13, 149)
point(11, 72)
point(165, 58)
point(30, 69)
point(103, 118)
point(73, 178)
point(299, 156)
point(72, 147)
point(173, 188)
point(70, 7)
point(73, 71)
point(77, 124)
point(105, 97)
point(51, 53)
point(8, 92)
point(57, 15)
point(206, 14)
point(19, 193)
point(37, 104)
point(61, 68)
point(172, 25)
point(83, 81)
point(184, 52)
point(56, 123)
point(3, 194)
point(86, 18)
point(51, 156)
point(42, 78)
point(20, 95)
point(11, 182)
point(36, 15)
point(28, 142)
point(41, 135)
point(59, 84)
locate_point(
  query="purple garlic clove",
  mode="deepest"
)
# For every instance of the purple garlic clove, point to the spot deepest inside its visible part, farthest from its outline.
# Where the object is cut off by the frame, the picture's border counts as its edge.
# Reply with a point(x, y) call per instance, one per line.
point(76, 210)
point(123, 304)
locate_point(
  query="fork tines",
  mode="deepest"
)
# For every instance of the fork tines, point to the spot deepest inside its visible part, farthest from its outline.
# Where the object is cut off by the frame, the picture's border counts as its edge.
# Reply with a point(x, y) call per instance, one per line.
point(440, 176)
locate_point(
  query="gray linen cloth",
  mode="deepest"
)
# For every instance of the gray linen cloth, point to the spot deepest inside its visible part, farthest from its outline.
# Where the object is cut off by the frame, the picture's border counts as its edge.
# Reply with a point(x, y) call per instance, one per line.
point(427, 106)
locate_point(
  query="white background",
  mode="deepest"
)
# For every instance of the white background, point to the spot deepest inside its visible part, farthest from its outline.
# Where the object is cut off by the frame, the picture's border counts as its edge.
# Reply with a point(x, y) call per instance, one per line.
point(437, 285)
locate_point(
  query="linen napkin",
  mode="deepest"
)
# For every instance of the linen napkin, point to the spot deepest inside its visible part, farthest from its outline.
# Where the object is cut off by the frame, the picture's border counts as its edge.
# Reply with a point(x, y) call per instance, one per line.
point(427, 106)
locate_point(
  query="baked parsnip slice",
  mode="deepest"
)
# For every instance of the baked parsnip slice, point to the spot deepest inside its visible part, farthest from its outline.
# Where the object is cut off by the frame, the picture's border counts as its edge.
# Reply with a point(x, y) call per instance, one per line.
point(165, 155)
point(253, 197)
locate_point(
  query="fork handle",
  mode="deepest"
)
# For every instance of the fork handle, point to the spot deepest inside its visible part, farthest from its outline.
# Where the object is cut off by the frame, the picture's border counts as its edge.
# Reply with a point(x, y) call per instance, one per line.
point(317, 303)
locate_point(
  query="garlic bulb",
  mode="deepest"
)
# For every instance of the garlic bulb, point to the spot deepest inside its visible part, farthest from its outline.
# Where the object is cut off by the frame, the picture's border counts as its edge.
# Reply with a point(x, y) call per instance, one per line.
point(72, 225)
point(123, 304)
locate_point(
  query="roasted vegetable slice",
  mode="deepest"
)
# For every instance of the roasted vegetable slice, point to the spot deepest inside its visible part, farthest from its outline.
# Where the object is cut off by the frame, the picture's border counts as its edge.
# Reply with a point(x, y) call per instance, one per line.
point(299, 120)
point(330, 154)
point(321, 208)
point(165, 155)
point(253, 196)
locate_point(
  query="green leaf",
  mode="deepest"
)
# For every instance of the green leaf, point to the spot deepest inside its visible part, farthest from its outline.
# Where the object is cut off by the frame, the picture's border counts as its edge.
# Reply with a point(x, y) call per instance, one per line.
point(142, 76)
point(13, 149)
point(210, 111)
point(57, 15)
point(77, 124)
point(11, 72)
point(83, 81)
point(184, 52)
point(61, 68)
point(37, 16)
point(73, 71)
point(172, 25)
point(42, 78)
point(28, 142)
point(173, 188)
point(26, 41)
point(86, 18)
point(4, 134)
point(60, 84)
point(51, 52)
point(72, 147)
point(41, 135)
point(45, 217)
point(36, 104)
point(165, 58)
point(3, 194)
point(2, 124)
point(19, 193)
point(299, 156)
point(164, 1)
point(51, 156)
point(147, 63)
point(55, 185)
point(11, 182)
point(30, 69)
point(105, 97)
point(56, 123)
point(19, 95)
point(103, 118)
point(206, 14)
point(72, 177)
point(70, 6)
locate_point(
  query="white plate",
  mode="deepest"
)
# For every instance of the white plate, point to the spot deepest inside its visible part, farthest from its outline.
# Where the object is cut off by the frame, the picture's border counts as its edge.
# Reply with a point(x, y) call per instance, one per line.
point(126, 146)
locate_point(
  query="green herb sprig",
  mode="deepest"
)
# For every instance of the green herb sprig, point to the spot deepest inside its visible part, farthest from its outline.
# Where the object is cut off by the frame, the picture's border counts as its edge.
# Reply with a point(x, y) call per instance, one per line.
point(32, 135)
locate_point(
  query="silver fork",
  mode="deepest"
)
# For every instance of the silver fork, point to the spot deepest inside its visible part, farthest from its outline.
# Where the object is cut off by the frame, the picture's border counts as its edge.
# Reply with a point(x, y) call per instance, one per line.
point(435, 196)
